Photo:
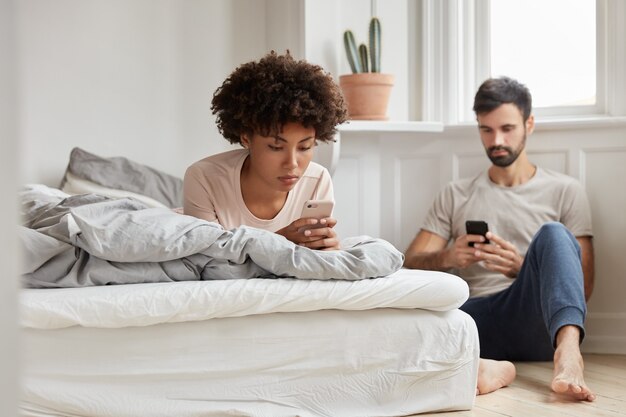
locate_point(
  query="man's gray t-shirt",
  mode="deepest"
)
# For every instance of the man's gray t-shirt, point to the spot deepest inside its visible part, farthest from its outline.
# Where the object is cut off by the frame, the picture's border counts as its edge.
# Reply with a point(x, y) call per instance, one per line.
point(513, 213)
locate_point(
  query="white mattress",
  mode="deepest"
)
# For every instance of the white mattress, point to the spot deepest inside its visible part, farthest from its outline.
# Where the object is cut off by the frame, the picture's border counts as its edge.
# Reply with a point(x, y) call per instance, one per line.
point(148, 304)
point(222, 349)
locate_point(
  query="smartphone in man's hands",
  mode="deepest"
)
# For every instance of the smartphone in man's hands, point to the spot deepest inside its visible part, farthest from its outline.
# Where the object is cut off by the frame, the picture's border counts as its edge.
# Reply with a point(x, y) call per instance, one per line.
point(476, 227)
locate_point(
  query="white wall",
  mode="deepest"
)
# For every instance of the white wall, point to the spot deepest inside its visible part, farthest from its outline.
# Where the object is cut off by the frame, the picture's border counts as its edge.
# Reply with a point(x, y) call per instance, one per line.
point(135, 78)
point(132, 78)
point(8, 214)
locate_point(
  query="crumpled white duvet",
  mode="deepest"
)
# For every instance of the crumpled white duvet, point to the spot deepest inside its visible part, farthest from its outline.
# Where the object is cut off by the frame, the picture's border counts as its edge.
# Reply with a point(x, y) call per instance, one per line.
point(148, 304)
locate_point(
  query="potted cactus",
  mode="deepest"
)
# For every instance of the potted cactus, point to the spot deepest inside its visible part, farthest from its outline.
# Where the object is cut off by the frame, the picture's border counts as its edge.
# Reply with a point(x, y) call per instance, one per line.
point(366, 90)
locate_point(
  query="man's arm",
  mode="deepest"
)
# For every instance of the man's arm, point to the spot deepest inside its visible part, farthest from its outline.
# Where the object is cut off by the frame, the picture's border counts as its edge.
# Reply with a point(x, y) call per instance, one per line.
point(586, 251)
point(431, 251)
point(427, 251)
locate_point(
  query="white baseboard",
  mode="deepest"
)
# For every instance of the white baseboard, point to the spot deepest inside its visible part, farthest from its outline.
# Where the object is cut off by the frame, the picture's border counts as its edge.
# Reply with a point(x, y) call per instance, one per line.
point(605, 333)
point(615, 345)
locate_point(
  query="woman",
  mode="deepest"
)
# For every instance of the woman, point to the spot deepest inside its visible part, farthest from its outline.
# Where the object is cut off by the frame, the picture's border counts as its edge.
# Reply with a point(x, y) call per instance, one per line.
point(276, 109)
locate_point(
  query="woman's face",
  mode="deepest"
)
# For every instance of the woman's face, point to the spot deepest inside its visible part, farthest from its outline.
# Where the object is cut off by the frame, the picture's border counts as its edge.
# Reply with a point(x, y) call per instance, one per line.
point(279, 161)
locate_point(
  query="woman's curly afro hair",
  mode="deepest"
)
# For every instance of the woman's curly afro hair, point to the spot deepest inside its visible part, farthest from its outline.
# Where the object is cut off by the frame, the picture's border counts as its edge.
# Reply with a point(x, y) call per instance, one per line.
point(260, 97)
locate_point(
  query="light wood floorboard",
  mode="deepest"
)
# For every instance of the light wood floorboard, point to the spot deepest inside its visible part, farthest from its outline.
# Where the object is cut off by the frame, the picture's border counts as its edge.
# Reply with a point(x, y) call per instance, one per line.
point(530, 395)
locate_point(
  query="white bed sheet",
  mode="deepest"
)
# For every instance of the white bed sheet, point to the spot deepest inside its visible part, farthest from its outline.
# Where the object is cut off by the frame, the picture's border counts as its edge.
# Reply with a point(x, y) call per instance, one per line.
point(384, 362)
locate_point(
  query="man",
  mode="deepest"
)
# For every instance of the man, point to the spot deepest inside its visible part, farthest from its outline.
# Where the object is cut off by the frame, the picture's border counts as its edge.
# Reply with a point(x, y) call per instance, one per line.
point(531, 275)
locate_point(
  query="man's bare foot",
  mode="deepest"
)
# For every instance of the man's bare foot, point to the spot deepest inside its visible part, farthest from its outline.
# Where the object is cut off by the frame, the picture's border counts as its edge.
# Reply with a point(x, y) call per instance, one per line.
point(493, 375)
point(568, 366)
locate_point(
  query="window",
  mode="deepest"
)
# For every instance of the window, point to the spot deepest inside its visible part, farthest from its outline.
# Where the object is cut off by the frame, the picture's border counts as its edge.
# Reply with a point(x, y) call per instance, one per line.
point(570, 53)
point(551, 47)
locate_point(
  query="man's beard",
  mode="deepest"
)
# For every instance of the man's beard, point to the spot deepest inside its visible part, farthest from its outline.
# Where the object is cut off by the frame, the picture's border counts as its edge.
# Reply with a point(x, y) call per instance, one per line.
point(506, 160)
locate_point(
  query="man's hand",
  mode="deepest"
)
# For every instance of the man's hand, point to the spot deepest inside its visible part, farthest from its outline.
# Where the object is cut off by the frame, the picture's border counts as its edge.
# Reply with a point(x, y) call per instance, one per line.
point(460, 255)
point(322, 237)
point(499, 256)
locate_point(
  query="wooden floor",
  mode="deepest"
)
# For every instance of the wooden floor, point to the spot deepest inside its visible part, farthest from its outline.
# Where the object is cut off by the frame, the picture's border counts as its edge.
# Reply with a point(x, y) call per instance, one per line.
point(530, 395)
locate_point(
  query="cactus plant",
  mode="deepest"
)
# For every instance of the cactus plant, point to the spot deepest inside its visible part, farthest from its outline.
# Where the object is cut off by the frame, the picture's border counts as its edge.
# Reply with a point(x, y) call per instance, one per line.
point(351, 51)
point(358, 58)
point(364, 57)
point(374, 33)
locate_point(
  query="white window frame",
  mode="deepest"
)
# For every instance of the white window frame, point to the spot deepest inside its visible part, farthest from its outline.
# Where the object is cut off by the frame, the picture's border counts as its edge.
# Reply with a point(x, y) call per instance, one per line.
point(455, 60)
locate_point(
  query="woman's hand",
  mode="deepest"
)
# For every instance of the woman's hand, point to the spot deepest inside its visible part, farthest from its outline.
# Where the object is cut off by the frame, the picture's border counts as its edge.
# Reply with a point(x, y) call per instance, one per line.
point(312, 233)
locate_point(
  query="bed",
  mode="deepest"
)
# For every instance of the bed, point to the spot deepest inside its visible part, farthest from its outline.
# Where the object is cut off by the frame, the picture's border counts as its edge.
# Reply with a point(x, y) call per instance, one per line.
point(252, 347)
point(297, 333)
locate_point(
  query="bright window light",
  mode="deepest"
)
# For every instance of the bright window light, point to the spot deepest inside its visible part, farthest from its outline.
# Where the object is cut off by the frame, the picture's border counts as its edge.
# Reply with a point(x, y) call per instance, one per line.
point(548, 45)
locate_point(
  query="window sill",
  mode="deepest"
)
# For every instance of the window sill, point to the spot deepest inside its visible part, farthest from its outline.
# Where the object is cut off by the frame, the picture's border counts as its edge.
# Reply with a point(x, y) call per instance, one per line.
point(563, 123)
point(541, 124)
point(588, 122)
point(368, 126)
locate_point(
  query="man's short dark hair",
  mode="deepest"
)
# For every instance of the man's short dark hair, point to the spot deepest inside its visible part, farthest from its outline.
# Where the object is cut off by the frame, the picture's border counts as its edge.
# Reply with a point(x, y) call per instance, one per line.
point(260, 97)
point(495, 92)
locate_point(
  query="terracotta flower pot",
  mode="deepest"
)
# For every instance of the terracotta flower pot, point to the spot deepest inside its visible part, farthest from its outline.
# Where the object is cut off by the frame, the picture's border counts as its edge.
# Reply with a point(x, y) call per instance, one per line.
point(367, 94)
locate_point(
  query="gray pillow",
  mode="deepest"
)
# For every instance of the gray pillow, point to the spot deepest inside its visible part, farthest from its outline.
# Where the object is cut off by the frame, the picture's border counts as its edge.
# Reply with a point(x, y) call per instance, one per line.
point(119, 173)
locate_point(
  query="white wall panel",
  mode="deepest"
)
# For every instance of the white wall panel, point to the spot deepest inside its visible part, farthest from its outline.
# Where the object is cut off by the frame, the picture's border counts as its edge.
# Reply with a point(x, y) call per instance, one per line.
point(348, 182)
point(412, 168)
point(606, 332)
point(605, 173)
point(469, 164)
point(413, 190)
point(357, 186)
point(556, 160)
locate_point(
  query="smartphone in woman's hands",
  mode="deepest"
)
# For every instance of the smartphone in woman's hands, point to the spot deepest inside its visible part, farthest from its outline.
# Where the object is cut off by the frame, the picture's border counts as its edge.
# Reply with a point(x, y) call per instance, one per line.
point(317, 209)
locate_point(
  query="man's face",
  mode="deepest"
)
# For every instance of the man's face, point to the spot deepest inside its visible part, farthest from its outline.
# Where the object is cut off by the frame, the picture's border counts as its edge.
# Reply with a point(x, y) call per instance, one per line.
point(503, 133)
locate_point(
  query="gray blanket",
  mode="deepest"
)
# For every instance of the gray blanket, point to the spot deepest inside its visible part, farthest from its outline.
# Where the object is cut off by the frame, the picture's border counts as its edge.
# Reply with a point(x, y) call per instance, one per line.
point(89, 240)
